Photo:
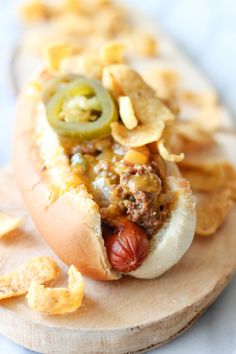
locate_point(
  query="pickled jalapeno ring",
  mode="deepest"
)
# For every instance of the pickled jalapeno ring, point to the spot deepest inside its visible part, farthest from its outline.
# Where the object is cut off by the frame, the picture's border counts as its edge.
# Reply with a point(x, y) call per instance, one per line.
point(82, 109)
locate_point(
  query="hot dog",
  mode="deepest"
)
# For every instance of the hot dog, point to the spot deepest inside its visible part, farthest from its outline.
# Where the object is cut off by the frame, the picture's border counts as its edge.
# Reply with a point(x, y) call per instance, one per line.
point(94, 176)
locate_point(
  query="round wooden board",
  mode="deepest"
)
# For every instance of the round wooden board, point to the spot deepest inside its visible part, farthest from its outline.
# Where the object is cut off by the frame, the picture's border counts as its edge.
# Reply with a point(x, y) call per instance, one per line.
point(125, 316)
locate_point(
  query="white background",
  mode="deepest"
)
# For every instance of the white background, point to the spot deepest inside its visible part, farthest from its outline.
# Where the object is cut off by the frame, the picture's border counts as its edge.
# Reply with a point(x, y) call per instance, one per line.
point(206, 30)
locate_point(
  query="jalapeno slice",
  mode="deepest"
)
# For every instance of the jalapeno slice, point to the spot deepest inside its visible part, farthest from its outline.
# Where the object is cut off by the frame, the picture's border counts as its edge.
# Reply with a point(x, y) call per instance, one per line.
point(81, 109)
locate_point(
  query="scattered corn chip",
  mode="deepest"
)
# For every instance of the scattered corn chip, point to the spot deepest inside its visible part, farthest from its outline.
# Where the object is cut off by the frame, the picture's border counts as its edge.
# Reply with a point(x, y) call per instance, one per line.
point(55, 53)
point(209, 119)
point(141, 43)
point(203, 180)
point(112, 53)
point(72, 5)
point(40, 269)
point(212, 209)
point(101, 2)
point(86, 6)
point(84, 64)
point(146, 45)
point(71, 25)
point(33, 10)
point(163, 80)
point(166, 155)
point(110, 83)
point(8, 224)
point(127, 114)
point(139, 136)
point(105, 23)
point(206, 175)
point(57, 301)
point(192, 136)
point(206, 99)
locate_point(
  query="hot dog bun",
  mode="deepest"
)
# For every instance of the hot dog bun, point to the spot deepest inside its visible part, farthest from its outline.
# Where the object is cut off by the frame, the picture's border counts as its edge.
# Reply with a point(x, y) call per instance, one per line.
point(168, 246)
point(71, 224)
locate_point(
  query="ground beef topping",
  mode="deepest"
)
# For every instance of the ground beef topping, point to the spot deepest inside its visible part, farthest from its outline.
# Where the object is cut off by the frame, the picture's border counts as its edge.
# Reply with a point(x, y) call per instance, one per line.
point(141, 195)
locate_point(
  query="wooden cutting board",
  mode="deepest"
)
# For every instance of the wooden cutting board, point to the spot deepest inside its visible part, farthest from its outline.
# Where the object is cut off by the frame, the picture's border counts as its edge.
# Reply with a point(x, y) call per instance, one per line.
point(125, 316)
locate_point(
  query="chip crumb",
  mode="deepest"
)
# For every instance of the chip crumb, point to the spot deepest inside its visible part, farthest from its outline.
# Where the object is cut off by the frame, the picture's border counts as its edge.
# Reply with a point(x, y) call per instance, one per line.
point(33, 88)
point(84, 64)
point(9, 224)
point(55, 53)
point(112, 53)
point(33, 11)
point(166, 155)
point(142, 44)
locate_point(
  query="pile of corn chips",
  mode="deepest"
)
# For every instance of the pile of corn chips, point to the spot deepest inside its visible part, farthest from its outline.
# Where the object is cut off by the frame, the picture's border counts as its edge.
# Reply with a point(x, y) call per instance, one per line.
point(83, 24)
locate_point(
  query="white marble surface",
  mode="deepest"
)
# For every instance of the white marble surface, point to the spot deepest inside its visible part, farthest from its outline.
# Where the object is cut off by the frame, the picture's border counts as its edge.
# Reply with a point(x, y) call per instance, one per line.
point(206, 30)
